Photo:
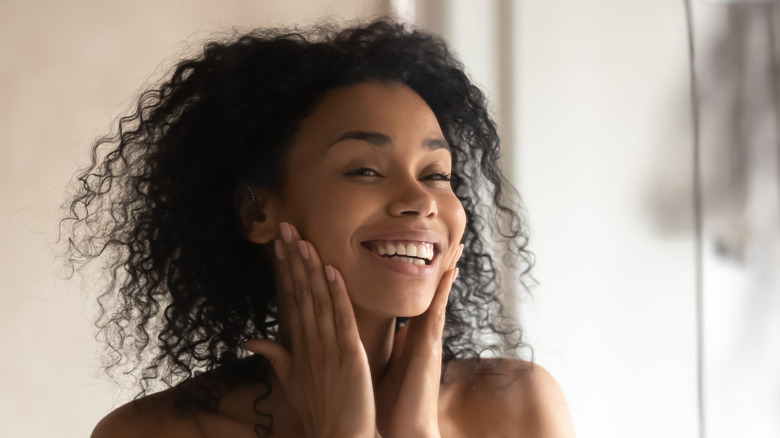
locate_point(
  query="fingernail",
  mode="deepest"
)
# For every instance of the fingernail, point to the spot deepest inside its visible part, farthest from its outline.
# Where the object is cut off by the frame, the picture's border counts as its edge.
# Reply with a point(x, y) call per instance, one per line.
point(279, 250)
point(460, 251)
point(286, 232)
point(457, 270)
point(329, 273)
point(303, 250)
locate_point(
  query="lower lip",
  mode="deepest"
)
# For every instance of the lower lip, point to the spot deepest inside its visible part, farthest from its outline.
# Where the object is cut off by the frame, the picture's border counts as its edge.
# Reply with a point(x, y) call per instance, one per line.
point(405, 268)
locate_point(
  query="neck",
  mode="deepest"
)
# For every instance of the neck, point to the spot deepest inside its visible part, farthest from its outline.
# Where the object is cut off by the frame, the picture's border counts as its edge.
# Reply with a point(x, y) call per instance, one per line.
point(377, 336)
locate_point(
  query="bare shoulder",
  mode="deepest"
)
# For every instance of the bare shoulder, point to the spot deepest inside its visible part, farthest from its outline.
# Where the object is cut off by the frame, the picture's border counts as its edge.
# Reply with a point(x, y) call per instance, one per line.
point(506, 397)
point(148, 417)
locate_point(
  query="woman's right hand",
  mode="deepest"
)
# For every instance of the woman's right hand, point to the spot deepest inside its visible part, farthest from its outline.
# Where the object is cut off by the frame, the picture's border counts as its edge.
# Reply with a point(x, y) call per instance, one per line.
point(325, 373)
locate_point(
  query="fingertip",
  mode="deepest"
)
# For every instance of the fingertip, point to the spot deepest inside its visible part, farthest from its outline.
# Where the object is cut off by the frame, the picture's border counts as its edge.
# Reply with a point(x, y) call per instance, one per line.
point(456, 256)
point(286, 230)
point(294, 232)
point(330, 274)
point(338, 288)
point(303, 249)
point(279, 249)
point(337, 277)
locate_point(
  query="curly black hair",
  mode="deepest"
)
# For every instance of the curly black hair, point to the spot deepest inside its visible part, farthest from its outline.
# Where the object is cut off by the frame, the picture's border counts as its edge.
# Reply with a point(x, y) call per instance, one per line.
point(158, 199)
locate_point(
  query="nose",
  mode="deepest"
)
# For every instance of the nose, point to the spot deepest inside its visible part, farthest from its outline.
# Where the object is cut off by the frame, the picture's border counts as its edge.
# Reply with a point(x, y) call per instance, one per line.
point(411, 198)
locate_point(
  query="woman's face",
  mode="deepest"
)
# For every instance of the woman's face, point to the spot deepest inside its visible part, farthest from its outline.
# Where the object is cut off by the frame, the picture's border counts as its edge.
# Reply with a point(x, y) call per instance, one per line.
point(368, 174)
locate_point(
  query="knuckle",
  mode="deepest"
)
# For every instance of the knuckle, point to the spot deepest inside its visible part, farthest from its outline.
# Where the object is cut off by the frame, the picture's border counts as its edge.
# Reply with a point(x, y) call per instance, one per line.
point(342, 320)
point(321, 307)
point(437, 318)
point(301, 293)
point(310, 267)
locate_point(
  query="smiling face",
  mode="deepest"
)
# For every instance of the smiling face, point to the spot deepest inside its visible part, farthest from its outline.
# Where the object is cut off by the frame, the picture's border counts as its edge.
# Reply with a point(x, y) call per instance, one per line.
point(367, 182)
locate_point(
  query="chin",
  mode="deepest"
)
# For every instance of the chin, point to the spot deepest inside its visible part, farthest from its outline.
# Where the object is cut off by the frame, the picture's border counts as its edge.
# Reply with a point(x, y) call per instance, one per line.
point(409, 313)
point(390, 299)
point(407, 307)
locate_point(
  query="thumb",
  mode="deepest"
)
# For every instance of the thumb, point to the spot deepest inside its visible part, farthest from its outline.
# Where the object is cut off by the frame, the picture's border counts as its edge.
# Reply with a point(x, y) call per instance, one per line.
point(435, 315)
point(277, 356)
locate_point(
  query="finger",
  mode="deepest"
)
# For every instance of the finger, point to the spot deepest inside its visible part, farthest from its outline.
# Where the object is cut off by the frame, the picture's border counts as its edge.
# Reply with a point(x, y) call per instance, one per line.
point(322, 303)
point(435, 316)
point(425, 331)
point(439, 302)
point(343, 314)
point(277, 356)
point(456, 257)
point(422, 344)
point(301, 286)
point(288, 308)
point(436, 313)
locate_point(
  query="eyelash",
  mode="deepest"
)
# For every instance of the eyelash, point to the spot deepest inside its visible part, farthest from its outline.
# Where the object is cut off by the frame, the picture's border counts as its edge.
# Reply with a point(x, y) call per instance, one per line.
point(363, 171)
point(368, 172)
point(439, 177)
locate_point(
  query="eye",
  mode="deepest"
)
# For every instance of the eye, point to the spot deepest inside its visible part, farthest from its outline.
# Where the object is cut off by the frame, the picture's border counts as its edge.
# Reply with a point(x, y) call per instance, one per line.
point(438, 177)
point(363, 171)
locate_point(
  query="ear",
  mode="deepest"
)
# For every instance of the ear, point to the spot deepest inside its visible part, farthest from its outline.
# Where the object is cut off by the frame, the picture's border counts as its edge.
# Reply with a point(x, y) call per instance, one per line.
point(258, 212)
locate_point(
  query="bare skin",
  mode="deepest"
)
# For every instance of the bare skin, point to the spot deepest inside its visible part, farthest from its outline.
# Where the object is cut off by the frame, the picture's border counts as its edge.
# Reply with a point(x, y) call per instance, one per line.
point(501, 398)
point(368, 170)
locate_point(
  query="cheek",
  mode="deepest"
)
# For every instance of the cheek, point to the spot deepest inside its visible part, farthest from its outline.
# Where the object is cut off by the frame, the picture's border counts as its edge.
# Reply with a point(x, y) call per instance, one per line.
point(456, 218)
point(326, 221)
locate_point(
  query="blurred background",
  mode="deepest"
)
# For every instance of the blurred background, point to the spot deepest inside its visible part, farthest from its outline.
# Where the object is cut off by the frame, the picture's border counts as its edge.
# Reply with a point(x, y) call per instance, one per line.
point(658, 304)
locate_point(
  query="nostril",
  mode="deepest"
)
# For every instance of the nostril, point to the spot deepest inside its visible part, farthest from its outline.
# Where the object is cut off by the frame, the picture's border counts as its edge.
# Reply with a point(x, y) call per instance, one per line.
point(418, 206)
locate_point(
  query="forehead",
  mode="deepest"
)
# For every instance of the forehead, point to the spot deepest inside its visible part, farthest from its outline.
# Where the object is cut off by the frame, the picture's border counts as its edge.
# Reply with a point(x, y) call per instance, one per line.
point(392, 109)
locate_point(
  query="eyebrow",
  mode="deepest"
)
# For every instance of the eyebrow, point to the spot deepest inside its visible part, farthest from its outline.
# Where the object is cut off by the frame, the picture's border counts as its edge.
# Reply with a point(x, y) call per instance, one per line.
point(379, 139)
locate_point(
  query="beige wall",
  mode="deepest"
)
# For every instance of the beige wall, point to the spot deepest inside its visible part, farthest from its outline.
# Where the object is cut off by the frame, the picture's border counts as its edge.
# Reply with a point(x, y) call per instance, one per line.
point(66, 70)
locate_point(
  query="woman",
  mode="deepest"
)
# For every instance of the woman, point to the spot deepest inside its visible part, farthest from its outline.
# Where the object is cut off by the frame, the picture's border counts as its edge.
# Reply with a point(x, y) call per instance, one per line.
point(321, 199)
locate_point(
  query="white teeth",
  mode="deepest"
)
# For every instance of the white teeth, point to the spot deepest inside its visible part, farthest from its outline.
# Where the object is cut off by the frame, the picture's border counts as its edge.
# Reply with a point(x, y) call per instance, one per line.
point(411, 250)
point(412, 261)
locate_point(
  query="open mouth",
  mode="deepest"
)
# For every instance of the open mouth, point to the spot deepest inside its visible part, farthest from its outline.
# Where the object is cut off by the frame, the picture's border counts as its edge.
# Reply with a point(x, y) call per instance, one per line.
point(414, 253)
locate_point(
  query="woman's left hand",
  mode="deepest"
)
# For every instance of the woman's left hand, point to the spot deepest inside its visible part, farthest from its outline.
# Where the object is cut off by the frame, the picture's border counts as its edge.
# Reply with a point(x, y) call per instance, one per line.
point(408, 395)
